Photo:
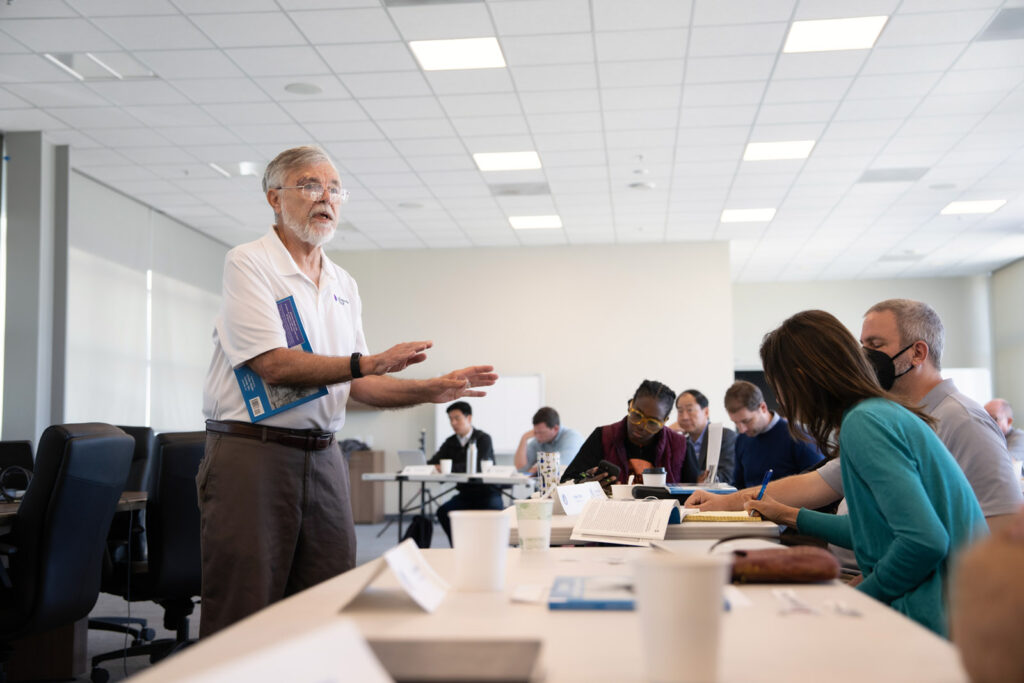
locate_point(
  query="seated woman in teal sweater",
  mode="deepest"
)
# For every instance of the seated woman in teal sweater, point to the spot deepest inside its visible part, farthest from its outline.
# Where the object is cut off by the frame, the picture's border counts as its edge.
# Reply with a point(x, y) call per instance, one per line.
point(911, 507)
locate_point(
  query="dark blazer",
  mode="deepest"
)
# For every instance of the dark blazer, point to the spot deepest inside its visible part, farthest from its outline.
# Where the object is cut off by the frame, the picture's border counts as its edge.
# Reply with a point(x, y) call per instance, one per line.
point(456, 452)
point(727, 457)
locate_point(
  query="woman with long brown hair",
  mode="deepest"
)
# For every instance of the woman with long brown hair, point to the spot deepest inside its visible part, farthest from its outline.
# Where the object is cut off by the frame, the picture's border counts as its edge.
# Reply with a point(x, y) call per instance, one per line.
point(911, 506)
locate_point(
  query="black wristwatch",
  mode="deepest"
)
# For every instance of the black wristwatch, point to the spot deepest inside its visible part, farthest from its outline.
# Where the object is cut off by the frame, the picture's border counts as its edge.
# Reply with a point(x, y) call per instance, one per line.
point(353, 366)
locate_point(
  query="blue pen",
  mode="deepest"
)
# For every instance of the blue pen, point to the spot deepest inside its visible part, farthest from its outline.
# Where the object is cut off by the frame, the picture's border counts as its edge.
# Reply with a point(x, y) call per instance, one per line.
point(764, 485)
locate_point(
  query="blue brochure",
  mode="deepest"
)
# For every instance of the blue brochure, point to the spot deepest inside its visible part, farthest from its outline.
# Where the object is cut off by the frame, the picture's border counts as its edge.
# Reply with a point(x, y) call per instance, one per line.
point(263, 400)
point(592, 592)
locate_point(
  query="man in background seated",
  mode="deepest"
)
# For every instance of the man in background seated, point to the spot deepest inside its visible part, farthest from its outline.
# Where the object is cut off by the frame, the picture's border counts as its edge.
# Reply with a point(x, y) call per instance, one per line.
point(1002, 413)
point(547, 436)
point(693, 415)
point(912, 332)
point(764, 442)
point(469, 496)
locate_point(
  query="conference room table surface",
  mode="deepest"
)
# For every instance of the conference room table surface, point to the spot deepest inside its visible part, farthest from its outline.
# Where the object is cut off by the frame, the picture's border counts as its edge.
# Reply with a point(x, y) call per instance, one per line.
point(130, 500)
point(867, 641)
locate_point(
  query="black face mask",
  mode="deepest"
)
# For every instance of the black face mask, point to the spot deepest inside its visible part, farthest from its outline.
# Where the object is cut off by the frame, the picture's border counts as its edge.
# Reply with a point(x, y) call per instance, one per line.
point(885, 366)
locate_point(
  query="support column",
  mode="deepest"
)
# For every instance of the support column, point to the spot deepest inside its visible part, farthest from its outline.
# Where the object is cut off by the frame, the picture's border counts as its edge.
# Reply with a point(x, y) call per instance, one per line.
point(37, 176)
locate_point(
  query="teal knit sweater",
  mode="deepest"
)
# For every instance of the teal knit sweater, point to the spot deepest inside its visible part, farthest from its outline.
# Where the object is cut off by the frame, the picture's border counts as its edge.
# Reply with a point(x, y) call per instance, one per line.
point(911, 509)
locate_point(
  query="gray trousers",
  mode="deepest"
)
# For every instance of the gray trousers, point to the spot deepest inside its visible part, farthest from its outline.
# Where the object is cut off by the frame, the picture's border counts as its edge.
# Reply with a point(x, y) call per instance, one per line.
point(275, 520)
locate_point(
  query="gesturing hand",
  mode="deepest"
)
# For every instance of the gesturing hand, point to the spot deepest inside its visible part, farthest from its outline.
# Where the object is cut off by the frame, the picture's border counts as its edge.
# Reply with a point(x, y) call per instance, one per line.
point(459, 383)
point(399, 357)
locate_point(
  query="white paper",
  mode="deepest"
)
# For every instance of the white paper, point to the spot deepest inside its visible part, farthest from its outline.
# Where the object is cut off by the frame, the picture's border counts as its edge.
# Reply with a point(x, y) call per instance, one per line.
point(419, 469)
point(629, 522)
point(573, 497)
point(500, 471)
point(418, 578)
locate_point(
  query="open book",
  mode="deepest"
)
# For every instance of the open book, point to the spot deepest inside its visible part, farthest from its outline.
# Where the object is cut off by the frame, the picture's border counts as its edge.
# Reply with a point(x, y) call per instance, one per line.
point(722, 516)
point(627, 522)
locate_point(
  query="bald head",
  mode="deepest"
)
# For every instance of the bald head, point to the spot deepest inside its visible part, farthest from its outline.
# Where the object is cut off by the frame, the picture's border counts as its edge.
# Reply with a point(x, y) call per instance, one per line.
point(1002, 413)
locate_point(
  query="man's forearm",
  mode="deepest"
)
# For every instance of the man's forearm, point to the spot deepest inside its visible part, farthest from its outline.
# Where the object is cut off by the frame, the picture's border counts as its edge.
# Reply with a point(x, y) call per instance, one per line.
point(390, 392)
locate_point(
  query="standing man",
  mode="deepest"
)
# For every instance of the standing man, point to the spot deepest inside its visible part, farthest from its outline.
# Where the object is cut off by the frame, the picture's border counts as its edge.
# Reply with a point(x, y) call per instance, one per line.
point(692, 419)
point(454, 448)
point(547, 436)
point(764, 442)
point(274, 496)
point(1002, 413)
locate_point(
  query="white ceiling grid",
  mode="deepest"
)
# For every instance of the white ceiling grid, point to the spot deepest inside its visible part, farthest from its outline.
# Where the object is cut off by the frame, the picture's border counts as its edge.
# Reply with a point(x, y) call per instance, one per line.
point(640, 111)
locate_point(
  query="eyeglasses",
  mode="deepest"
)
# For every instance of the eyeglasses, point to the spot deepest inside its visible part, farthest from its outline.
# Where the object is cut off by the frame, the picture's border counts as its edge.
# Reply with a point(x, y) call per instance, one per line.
point(314, 191)
point(649, 424)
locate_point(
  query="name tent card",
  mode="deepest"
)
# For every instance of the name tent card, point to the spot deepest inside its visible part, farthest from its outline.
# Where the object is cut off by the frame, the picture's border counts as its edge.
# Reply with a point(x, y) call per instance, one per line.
point(573, 497)
point(419, 469)
point(416, 576)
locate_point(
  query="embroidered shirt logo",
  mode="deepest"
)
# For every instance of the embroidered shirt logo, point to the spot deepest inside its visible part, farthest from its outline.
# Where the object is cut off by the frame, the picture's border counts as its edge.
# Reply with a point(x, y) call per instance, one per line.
point(340, 300)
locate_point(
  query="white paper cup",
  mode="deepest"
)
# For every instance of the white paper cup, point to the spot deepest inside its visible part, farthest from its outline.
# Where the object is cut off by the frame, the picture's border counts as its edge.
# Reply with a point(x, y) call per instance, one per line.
point(680, 604)
point(654, 479)
point(533, 518)
point(446, 466)
point(622, 491)
point(480, 539)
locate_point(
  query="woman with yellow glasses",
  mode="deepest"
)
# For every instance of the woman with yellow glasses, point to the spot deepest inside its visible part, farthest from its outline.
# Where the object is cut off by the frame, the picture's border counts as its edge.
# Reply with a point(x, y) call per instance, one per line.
point(638, 441)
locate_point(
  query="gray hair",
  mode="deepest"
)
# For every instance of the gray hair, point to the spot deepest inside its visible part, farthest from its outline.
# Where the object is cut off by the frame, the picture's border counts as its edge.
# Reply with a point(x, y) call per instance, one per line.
point(290, 159)
point(915, 321)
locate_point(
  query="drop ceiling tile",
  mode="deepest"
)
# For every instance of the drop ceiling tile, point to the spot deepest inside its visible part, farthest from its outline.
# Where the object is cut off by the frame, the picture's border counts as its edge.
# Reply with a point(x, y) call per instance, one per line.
point(532, 17)
point(416, 128)
point(705, 95)
point(865, 110)
point(991, 55)
point(631, 139)
point(153, 33)
point(480, 105)
point(244, 28)
point(937, 27)
point(717, 116)
point(616, 99)
point(16, 68)
point(277, 132)
point(327, 110)
point(171, 115)
point(852, 130)
point(389, 84)
point(279, 61)
point(433, 147)
point(367, 57)
point(614, 15)
point(558, 102)
point(38, 9)
point(979, 81)
point(897, 60)
point(624, 46)
point(819, 64)
point(57, 95)
point(158, 155)
point(556, 77)
point(727, 69)
point(491, 125)
point(199, 135)
point(470, 81)
point(148, 92)
point(77, 140)
point(231, 114)
point(223, 6)
point(330, 88)
point(389, 108)
point(642, 120)
point(807, 90)
point(121, 138)
point(368, 25)
point(901, 85)
point(567, 123)
point(951, 126)
point(178, 64)
point(712, 135)
point(58, 35)
point(977, 103)
point(800, 112)
point(106, 162)
point(453, 162)
point(338, 132)
point(217, 90)
point(713, 12)
point(562, 142)
point(564, 48)
point(743, 39)
point(578, 158)
point(499, 143)
point(641, 73)
point(433, 21)
point(102, 8)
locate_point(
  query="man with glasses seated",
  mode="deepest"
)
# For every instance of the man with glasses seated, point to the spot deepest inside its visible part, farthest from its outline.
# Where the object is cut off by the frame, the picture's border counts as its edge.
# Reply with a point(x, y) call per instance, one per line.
point(764, 442)
point(637, 442)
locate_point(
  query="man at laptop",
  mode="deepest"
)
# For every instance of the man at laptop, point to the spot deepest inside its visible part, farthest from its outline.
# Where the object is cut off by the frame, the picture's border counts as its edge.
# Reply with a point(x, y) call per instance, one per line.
point(455, 447)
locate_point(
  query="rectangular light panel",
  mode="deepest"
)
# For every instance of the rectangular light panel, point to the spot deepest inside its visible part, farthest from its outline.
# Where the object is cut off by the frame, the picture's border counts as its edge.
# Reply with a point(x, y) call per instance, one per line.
point(823, 35)
point(747, 215)
point(507, 161)
point(973, 206)
point(535, 222)
point(461, 53)
point(764, 151)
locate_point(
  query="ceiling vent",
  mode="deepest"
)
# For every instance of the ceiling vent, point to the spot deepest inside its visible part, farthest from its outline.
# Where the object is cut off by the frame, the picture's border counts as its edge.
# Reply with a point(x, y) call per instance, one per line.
point(892, 175)
point(520, 189)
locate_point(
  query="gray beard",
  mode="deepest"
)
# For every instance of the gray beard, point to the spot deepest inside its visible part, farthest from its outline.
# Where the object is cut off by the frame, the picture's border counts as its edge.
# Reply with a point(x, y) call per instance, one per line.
point(306, 233)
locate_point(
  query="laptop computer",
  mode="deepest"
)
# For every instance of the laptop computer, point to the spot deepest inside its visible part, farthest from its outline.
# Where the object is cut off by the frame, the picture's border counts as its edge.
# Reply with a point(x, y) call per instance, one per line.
point(406, 458)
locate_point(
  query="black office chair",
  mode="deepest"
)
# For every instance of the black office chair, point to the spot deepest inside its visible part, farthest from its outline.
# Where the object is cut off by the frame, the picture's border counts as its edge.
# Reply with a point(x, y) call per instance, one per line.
point(56, 543)
point(173, 576)
point(16, 454)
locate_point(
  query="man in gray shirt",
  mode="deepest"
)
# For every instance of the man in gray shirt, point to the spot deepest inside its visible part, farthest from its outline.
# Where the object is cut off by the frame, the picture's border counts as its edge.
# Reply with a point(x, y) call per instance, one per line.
point(910, 334)
point(547, 436)
point(1002, 413)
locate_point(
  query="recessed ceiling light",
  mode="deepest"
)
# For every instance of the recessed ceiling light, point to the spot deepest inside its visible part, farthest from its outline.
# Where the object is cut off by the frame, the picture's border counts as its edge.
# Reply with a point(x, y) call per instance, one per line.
point(823, 35)
point(218, 169)
point(747, 215)
point(105, 66)
point(973, 206)
point(791, 149)
point(304, 88)
point(461, 53)
point(507, 161)
point(535, 222)
point(248, 168)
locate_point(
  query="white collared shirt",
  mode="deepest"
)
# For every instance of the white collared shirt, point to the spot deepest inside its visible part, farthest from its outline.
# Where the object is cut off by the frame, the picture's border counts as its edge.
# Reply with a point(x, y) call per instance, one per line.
point(256, 276)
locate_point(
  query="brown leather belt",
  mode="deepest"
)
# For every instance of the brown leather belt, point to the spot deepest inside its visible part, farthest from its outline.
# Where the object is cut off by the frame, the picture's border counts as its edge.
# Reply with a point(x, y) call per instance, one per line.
point(306, 439)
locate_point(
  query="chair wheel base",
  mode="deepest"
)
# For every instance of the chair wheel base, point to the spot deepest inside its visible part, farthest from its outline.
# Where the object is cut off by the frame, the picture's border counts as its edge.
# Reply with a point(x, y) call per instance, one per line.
point(99, 675)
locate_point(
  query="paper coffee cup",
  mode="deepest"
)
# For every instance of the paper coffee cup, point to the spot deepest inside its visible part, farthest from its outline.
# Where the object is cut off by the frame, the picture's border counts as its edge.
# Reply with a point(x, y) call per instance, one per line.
point(622, 491)
point(533, 519)
point(679, 599)
point(480, 540)
point(446, 466)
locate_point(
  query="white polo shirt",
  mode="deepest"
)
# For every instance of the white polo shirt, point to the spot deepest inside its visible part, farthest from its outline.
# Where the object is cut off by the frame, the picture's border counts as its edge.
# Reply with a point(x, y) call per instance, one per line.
point(256, 276)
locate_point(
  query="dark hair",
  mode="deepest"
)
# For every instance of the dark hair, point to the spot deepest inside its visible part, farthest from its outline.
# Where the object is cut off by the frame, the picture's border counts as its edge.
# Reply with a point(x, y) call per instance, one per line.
point(461, 406)
point(819, 371)
point(659, 392)
point(743, 394)
point(548, 416)
point(700, 398)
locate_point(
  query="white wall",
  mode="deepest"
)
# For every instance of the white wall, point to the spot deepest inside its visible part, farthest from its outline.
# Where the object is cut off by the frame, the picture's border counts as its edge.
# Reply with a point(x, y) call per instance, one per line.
point(592, 320)
point(1008, 335)
point(962, 303)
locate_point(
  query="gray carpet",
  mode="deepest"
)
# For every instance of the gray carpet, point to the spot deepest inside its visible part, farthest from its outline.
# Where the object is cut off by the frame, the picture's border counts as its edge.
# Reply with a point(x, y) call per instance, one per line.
point(368, 546)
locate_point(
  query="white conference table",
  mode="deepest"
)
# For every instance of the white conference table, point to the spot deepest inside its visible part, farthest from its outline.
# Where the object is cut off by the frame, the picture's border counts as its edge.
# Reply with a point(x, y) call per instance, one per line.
point(562, 526)
point(759, 642)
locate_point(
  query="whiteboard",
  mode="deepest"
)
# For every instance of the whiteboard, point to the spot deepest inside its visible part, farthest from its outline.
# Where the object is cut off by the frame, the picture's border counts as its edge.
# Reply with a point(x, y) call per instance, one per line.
point(505, 412)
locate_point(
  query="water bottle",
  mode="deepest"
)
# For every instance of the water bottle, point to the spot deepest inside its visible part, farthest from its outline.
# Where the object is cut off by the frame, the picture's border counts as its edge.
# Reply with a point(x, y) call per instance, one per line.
point(471, 458)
